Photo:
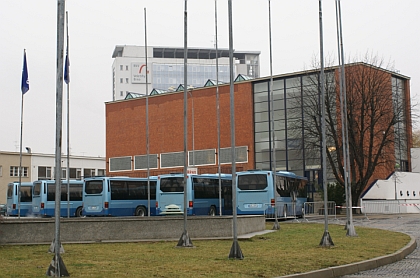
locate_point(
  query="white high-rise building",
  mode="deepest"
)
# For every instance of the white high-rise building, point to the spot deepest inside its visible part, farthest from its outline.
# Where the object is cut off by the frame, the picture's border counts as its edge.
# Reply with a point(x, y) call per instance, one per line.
point(166, 68)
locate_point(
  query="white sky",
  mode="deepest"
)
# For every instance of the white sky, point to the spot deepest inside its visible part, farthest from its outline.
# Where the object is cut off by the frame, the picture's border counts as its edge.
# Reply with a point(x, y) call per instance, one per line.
point(387, 28)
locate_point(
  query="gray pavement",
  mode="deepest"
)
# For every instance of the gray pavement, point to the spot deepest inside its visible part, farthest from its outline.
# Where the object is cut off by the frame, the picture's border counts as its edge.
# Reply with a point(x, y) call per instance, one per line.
point(406, 223)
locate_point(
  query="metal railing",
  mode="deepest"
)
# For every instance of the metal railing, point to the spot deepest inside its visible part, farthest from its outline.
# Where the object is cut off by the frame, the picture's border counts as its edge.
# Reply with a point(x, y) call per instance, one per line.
point(283, 210)
point(381, 207)
point(316, 209)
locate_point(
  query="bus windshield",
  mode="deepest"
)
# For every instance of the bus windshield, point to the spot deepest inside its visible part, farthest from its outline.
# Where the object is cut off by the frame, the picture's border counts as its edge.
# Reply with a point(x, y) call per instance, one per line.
point(172, 184)
point(93, 187)
point(252, 182)
point(37, 188)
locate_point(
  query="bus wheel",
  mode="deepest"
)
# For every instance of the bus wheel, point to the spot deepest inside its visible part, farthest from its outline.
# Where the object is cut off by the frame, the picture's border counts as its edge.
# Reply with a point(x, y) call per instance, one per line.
point(78, 212)
point(212, 211)
point(140, 211)
point(285, 211)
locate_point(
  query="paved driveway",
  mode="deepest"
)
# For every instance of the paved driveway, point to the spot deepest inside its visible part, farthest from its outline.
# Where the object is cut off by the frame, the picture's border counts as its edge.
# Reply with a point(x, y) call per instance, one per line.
point(407, 223)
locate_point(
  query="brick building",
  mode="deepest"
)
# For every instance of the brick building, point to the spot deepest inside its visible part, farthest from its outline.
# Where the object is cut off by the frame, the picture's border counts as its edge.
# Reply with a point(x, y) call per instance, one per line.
point(126, 128)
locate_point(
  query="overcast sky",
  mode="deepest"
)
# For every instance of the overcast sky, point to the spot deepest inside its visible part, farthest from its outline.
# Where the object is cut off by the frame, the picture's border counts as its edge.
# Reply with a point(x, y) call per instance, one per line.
point(386, 28)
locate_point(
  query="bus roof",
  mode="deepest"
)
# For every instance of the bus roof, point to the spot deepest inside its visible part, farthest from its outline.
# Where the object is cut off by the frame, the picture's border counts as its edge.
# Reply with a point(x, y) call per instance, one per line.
point(278, 173)
point(120, 178)
point(289, 175)
point(222, 175)
point(53, 181)
point(26, 183)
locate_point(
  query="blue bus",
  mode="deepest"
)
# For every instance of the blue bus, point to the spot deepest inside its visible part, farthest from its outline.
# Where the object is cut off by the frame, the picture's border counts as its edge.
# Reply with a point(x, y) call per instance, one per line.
point(12, 206)
point(43, 198)
point(202, 194)
point(255, 193)
point(118, 196)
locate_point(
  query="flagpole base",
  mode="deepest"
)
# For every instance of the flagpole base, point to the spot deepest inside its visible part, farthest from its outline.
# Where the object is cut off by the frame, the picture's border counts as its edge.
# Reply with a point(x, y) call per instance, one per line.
point(276, 225)
point(351, 231)
point(235, 251)
point(185, 240)
point(326, 240)
point(60, 272)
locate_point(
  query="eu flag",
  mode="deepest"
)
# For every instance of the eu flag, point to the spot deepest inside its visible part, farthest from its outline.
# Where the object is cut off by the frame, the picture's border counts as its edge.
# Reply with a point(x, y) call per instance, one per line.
point(25, 78)
point(67, 69)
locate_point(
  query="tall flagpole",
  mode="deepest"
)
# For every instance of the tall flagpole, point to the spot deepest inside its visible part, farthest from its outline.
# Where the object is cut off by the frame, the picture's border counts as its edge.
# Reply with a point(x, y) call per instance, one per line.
point(343, 101)
point(185, 240)
point(67, 80)
point(20, 155)
point(147, 116)
point(326, 240)
point(57, 267)
point(235, 250)
point(276, 225)
point(24, 89)
point(218, 110)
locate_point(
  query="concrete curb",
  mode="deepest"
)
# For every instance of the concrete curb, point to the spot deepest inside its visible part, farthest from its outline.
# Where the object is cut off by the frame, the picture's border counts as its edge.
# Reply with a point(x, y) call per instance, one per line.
point(338, 271)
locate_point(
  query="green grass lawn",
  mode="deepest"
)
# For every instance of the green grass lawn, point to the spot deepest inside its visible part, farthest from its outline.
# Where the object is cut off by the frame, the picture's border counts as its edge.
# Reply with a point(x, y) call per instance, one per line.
point(292, 249)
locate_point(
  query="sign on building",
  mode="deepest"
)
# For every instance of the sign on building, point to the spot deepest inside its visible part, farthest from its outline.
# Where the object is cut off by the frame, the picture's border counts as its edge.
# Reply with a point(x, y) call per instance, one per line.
point(138, 73)
point(192, 171)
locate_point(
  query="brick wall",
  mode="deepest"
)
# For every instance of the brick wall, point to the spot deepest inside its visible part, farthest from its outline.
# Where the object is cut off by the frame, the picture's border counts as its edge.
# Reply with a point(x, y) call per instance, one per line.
point(126, 125)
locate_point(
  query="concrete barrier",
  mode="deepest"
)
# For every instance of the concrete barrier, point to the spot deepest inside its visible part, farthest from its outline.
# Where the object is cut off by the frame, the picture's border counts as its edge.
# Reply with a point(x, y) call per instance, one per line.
point(114, 229)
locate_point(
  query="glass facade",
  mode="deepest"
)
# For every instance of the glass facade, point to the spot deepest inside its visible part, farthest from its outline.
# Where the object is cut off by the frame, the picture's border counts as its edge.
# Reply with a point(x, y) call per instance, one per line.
point(297, 124)
point(401, 148)
point(296, 150)
point(288, 115)
point(166, 75)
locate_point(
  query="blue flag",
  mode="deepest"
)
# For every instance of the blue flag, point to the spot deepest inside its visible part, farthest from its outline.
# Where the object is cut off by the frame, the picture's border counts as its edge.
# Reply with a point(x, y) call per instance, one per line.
point(25, 78)
point(67, 69)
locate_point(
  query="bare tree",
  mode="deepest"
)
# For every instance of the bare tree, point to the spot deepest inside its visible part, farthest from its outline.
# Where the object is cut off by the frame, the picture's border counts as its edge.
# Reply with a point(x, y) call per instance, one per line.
point(377, 121)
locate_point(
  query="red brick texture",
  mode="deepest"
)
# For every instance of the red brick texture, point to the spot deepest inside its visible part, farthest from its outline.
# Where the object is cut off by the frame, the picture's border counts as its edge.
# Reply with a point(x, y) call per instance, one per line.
point(126, 125)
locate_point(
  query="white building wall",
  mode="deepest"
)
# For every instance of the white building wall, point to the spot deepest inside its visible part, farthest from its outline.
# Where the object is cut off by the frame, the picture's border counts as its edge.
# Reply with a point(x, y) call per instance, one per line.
point(75, 162)
point(400, 186)
point(415, 160)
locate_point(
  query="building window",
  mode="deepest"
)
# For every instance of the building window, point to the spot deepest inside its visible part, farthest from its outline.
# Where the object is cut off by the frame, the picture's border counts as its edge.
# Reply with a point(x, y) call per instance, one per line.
point(121, 80)
point(44, 173)
point(202, 157)
point(88, 173)
point(171, 160)
point(126, 80)
point(14, 171)
point(101, 172)
point(126, 67)
point(121, 67)
point(140, 162)
point(121, 93)
point(120, 164)
point(241, 155)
